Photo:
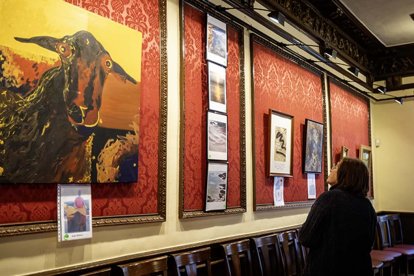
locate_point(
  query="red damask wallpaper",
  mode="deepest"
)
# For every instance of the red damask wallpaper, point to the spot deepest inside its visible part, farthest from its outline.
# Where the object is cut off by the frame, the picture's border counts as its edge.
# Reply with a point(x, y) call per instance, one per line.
point(28, 203)
point(349, 121)
point(284, 86)
point(195, 108)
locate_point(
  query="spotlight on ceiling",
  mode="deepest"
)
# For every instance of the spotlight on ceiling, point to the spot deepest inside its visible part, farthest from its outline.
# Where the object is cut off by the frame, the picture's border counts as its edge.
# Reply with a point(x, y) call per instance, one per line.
point(330, 53)
point(399, 100)
point(380, 89)
point(354, 70)
point(277, 17)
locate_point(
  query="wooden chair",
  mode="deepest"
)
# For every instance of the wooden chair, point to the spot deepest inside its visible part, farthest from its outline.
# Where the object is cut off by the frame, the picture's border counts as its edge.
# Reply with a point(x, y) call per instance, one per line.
point(155, 266)
point(268, 254)
point(396, 232)
point(292, 253)
point(388, 259)
point(99, 272)
point(384, 238)
point(238, 258)
point(193, 263)
point(377, 268)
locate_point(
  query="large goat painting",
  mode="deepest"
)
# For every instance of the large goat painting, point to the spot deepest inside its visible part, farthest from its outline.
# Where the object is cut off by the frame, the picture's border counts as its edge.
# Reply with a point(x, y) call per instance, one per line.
point(50, 128)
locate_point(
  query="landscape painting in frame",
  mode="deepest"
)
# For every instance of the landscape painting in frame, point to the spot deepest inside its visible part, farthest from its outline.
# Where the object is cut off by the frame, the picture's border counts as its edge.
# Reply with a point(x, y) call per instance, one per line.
point(69, 95)
point(217, 87)
point(280, 144)
point(313, 147)
point(216, 136)
point(216, 41)
point(216, 191)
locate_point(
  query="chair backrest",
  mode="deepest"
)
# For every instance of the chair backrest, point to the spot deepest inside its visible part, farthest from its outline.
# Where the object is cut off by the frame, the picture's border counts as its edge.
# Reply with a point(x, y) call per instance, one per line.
point(154, 266)
point(396, 232)
point(268, 253)
point(238, 258)
point(383, 232)
point(192, 263)
point(292, 253)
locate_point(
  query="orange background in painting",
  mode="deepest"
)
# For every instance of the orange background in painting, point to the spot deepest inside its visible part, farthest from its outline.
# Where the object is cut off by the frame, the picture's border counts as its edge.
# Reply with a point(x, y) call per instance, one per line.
point(37, 202)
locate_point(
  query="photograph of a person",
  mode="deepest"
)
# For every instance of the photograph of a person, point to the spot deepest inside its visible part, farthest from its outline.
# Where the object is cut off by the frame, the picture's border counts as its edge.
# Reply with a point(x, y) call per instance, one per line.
point(216, 41)
point(217, 87)
point(75, 211)
point(313, 149)
point(216, 191)
point(344, 152)
point(216, 136)
point(280, 154)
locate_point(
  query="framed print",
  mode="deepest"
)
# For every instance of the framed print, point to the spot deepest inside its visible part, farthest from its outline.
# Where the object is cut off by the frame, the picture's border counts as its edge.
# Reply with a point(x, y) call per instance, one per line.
point(365, 155)
point(216, 188)
point(216, 136)
point(216, 41)
point(313, 141)
point(280, 144)
point(344, 152)
point(217, 87)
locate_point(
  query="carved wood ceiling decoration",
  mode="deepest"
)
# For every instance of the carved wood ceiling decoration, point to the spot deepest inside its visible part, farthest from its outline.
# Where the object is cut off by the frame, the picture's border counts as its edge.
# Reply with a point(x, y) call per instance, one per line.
point(331, 23)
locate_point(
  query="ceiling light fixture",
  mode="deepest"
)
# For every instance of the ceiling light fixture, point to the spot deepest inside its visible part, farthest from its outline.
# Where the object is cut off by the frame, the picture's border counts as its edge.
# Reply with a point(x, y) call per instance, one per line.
point(274, 15)
point(399, 100)
point(380, 89)
point(354, 70)
point(330, 53)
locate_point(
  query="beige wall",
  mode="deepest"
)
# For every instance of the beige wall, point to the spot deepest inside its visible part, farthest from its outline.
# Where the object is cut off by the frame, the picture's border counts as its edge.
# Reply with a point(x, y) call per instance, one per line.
point(41, 252)
point(393, 159)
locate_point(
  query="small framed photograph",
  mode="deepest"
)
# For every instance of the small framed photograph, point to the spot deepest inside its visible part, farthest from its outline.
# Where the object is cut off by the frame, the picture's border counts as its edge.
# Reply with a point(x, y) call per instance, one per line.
point(217, 87)
point(216, 136)
point(216, 188)
point(313, 147)
point(74, 212)
point(280, 144)
point(365, 156)
point(344, 152)
point(216, 41)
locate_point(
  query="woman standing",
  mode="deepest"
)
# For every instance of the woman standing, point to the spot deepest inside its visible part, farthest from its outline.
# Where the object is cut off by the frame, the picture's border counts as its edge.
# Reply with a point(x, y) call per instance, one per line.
point(340, 228)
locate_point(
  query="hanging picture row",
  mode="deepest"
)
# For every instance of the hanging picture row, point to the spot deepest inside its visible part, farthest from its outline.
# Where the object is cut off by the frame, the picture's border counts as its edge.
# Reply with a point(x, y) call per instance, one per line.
point(212, 179)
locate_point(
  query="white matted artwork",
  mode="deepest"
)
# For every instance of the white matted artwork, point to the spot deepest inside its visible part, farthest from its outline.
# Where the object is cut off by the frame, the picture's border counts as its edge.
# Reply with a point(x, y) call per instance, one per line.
point(216, 41)
point(74, 212)
point(216, 136)
point(216, 191)
point(280, 144)
point(217, 87)
point(278, 191)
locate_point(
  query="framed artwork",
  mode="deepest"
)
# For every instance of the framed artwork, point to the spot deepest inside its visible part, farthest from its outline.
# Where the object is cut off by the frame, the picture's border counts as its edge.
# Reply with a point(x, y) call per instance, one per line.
point(216, 136)
point(365, 155)
point(38, 53)
point(344, 152)
point(217, 87)
point(280, 144)
point(216, 188)
point(313, 142)
point(216, 41)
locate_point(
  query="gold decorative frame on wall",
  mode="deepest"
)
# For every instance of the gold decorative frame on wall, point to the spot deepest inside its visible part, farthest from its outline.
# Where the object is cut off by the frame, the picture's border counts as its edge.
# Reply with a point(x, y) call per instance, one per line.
point(11, 229)
point(185, 214)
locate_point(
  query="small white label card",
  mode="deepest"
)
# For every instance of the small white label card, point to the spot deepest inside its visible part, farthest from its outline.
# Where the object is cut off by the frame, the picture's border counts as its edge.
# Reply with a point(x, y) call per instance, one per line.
point(278, 191)
point(311, 186)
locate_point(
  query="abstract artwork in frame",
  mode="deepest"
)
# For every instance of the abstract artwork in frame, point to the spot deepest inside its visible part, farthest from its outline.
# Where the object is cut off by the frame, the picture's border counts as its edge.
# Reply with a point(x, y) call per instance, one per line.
point(60, 81)
point(344, 152)
point(365, 155)
point(217, 87)
point(313, 142)
point(280, 144)
point(216, 41)
point(216, 188)
point(216, 136)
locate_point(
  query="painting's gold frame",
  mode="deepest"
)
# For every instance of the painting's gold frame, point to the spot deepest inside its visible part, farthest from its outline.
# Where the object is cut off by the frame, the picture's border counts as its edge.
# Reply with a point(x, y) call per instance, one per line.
point(48, 226)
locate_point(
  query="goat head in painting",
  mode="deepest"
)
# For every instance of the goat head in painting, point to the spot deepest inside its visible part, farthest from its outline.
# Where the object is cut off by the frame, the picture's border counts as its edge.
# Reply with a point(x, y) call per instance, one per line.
point(46, 134)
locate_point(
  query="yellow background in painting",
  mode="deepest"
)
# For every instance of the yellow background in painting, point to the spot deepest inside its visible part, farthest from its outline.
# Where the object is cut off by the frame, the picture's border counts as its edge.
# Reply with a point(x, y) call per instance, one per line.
point(28, 18)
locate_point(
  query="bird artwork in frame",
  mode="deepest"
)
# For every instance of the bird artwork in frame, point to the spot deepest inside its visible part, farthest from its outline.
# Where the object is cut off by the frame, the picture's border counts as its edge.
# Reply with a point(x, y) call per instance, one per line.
point(69, 96)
